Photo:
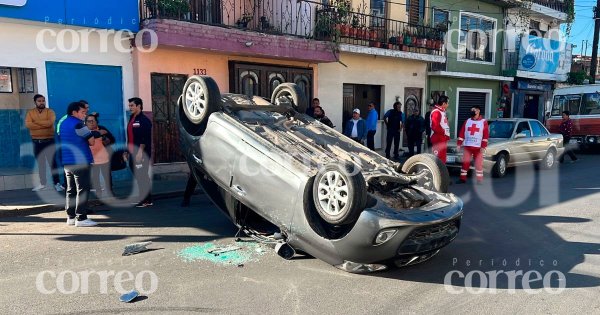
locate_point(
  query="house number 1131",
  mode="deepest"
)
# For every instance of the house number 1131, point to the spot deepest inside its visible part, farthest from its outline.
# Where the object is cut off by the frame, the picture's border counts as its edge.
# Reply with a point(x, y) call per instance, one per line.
point(199, 71)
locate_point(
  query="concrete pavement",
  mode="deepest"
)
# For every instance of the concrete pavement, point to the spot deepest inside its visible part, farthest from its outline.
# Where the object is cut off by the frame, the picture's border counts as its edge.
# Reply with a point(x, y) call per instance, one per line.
point(554, 228)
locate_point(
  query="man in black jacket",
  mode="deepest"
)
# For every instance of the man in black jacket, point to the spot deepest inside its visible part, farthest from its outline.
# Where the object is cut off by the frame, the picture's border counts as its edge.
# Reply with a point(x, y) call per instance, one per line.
point(414, 132)
point(139, 144)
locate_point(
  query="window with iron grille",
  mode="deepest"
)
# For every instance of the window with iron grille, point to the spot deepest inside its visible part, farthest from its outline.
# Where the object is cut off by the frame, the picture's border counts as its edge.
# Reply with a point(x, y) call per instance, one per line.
point(477, 40)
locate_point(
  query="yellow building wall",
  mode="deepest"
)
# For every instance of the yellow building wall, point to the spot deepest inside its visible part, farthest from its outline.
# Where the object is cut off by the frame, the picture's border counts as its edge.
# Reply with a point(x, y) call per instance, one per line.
point(393, 74)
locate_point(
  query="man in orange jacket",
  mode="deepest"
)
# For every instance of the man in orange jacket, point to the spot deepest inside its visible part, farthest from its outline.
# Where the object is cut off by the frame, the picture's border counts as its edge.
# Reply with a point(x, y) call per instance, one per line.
point(440, 130)
point(473, 136)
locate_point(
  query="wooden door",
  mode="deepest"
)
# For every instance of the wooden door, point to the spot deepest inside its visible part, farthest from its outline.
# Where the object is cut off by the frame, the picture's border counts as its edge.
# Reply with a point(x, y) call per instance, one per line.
point(166, 89)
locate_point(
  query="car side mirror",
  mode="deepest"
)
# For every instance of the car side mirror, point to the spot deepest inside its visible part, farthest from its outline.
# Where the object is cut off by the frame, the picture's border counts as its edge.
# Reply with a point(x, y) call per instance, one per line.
point(520, 135)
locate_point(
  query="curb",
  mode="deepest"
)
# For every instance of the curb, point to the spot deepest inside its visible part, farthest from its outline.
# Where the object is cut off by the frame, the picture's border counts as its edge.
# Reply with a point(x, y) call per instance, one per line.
point(17, 212)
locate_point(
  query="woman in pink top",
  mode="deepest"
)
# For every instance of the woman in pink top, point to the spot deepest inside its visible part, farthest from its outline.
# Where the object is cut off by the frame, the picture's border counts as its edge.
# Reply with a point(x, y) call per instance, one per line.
point(101, 156)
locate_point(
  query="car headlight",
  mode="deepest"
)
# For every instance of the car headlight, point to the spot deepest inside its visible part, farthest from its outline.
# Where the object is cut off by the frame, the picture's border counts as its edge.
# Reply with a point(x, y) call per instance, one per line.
point(384, 236)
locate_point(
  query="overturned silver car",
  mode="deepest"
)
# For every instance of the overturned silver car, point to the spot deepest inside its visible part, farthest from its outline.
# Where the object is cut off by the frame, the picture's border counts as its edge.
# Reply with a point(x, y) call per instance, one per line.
point(285, 178)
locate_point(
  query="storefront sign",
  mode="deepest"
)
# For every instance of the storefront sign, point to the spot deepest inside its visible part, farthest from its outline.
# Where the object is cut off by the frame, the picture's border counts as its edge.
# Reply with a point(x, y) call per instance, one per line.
point(524, 85)
point(537, 54)
point(108, 14)
point(14, 3)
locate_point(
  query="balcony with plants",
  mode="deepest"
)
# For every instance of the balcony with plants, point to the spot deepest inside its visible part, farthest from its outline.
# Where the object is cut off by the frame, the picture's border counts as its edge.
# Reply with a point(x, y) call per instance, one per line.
point(320, 26)
point(340, 24)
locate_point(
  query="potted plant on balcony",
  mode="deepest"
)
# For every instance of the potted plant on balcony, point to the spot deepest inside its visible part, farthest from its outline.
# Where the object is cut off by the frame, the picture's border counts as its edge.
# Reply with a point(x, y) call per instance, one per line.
point(340, 18)
point(175, 9)
point(243, 21)
point(440, 29)
point(324, 26)
point(354, 26)
point(408, 37)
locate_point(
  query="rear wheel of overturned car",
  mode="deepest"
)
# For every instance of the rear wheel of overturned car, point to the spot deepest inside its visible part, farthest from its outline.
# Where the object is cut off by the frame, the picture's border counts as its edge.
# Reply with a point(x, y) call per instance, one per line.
point(201, 97)
point(339, 193)
point(501, 165)
point(290, 94)
point(436, 176)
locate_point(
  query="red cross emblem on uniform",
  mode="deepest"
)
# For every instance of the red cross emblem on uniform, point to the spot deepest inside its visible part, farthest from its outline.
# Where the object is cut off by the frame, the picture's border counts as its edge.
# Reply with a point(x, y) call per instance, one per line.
point(473, 129)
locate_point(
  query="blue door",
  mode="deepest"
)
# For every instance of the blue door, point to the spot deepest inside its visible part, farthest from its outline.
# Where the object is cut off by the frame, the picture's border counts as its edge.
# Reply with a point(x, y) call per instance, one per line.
point(101, 86)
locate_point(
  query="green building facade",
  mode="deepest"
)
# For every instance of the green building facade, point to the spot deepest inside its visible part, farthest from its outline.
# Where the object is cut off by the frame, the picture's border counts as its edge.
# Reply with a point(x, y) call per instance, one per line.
point(472, 73)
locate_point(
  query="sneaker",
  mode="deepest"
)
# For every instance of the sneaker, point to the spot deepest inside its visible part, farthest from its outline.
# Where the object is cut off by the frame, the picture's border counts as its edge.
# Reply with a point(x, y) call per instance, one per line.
point(39, 187)
point(71, 221)
point(84, 223)
point(59, 187)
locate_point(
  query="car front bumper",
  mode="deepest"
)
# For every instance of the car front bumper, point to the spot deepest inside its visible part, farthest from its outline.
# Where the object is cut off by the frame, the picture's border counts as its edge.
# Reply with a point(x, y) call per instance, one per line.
point(416, 234)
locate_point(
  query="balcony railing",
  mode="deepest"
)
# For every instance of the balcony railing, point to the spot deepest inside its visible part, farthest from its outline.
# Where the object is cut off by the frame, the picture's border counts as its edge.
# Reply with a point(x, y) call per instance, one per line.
point(375, 31)
point(557, 5)
point(303, 18)
point(285, 17)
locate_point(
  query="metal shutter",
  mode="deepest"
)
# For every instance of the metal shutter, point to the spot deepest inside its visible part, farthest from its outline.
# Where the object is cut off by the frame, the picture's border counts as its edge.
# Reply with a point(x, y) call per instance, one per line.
point(466, 100)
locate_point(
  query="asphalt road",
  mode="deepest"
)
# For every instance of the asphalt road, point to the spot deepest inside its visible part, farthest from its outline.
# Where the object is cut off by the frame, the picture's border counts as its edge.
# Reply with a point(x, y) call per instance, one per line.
point(541, 224)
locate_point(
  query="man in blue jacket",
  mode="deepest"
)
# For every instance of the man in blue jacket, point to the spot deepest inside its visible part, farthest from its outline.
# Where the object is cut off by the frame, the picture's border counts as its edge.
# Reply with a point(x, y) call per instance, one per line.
point(372, 118)
point(76, 140)
point(139, 144)
point(356, 128)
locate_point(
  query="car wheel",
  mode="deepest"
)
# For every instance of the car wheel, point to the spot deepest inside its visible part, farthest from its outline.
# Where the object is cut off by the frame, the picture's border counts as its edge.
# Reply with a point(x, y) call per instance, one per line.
point(339, 193)
point(201, 97)
point(437, 177)
point(290, 94)
point(500, 166)
point(549, 160)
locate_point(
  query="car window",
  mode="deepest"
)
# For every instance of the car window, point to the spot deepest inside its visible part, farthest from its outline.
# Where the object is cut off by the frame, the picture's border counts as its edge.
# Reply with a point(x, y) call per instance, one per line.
point(566, 102)
point(523, 127)
point(590, 104)
point(538, 129)
point(537, 132)
point(501, 129)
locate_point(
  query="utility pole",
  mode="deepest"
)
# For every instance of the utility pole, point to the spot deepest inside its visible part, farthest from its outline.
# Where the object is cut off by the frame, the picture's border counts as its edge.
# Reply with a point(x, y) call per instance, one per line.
point(594, 64)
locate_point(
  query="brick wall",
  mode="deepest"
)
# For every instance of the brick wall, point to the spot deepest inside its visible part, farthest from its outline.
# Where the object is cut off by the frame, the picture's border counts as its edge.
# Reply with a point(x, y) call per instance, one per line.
point(234, 41)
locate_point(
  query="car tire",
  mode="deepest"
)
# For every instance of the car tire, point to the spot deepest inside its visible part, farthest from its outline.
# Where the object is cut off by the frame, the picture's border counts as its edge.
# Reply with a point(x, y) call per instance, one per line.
point(201, 97)
point(290, 94)
point(438, 178)
point(501, 166)
point(339, 202)
point(549, 160)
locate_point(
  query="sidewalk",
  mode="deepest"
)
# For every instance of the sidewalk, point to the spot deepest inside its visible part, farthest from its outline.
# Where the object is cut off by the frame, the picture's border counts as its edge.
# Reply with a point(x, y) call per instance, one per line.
point(25, 202)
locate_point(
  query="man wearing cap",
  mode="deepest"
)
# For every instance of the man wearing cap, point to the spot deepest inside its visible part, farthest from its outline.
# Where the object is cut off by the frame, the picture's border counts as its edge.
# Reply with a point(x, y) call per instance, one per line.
point(356, 128)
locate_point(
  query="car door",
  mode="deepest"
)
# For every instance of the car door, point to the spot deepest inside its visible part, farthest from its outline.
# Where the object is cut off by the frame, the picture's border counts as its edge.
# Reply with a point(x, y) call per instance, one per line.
point(262, 182)
point(523, 147)
point(217, 147)
point(540, 138)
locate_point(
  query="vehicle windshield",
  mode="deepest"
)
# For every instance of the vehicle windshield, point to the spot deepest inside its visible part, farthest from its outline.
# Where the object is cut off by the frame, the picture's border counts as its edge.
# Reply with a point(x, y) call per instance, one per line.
point(501, 129)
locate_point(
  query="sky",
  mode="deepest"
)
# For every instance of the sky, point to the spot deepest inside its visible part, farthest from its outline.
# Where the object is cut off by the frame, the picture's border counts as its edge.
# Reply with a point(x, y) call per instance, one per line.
point(583, 27)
